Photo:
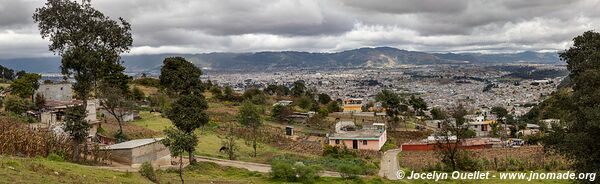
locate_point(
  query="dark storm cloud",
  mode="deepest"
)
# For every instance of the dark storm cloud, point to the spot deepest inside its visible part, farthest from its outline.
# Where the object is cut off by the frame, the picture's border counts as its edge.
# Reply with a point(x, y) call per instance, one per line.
point(196, 26)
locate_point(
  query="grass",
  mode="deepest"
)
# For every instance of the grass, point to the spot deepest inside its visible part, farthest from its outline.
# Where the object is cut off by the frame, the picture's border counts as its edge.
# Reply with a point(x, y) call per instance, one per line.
point(4, 85)
point(152, 121)
point(146, 89)
point(209, 145)
point(41, 170)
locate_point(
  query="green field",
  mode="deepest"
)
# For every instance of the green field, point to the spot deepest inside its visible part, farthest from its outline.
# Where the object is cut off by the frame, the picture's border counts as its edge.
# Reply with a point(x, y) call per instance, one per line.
point(152, 121)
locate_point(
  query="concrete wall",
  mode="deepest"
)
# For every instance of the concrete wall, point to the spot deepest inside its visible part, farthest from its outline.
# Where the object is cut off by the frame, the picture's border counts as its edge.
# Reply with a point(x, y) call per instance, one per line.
point(60, 92)
point(148, 153)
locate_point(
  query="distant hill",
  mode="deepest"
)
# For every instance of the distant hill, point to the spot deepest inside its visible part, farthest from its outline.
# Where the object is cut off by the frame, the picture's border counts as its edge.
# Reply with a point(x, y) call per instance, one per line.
point(363, 57)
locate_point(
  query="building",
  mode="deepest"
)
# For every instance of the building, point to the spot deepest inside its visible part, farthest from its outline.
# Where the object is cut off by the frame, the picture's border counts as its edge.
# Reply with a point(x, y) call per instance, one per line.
point(283, 103)
point(360, 117)
point(435, 142)
point(370, 137)
point(52, 115)
point(138, 151)
point(352, 104)
point(57, 92)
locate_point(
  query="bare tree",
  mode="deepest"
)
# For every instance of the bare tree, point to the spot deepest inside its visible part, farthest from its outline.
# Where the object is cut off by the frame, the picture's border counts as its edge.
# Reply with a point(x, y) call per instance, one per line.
point(450, 137)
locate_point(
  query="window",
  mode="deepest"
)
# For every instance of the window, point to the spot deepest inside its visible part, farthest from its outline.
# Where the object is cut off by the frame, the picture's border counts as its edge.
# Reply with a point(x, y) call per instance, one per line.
point(365, 142)
point(337, 141)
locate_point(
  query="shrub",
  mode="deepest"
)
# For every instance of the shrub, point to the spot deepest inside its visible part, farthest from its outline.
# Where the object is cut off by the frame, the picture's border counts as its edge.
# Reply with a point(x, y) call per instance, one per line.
point(55, 157)
point(147, 171)
point(294, 172)
point(349, 171)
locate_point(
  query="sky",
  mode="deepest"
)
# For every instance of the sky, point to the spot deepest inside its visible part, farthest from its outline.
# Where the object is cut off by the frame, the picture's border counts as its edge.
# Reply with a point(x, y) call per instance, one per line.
point(201, 26)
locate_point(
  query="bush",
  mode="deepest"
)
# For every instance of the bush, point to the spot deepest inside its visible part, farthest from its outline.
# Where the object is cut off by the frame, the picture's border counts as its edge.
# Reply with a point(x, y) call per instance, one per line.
point(294, 172)
point(147, 171)
point(349, 171)
point(55, 157)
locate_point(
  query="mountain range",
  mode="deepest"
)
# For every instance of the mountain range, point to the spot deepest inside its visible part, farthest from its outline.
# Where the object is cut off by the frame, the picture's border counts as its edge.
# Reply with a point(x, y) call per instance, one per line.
point(362, 57)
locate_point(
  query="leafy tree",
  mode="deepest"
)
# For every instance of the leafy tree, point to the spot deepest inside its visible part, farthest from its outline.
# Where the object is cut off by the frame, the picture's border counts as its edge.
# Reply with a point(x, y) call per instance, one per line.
point(418, 104)
point(188, 113)
point(392, 103)
point(500, 112)
point(115, 102)
point(255, 95)
point(178, 143)
point(16, 104)
point(438, 114)
point(333, 106)
point(178, 76)
point(6, 73)
point(324, 98)
point(579, 140)
point(137, 94)
point(25, 85)
point(451, 134)
point(216, 92)
point(305, 102)
point(40, 102)
point(249, 116)
point(89, 44)
point(88, 41)
point(77, 127)
point(298, 89)
point(281, 112)
point(229, 94)
point(230, 142)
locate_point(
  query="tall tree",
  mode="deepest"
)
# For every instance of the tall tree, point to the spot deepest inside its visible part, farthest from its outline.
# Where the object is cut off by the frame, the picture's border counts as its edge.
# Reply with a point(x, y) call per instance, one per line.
point(178, 143)
point(188, 113)
point(450, 137)
point(579, 140)
point(117, 104)
point(25, 85)
point(88, 42)
point(298, 88)
point(418, 104)
point(324, 98)
point(249, 116)
point(77, 127)
point(180, 77)
point(438, 114)
point(392, 103)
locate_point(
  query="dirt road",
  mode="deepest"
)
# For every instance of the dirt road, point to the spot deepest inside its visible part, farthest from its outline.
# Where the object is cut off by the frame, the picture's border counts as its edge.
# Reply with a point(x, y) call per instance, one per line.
point(264, 168)
point(389, 164)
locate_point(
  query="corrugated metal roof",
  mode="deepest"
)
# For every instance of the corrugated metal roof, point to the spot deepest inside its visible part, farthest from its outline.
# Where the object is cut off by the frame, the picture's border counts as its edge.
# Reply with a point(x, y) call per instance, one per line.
point(132, 144)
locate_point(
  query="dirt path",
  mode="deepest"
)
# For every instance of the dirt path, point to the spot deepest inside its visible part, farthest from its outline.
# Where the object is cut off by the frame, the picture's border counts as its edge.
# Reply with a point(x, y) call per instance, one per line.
point(389, 164)
point(264, 168)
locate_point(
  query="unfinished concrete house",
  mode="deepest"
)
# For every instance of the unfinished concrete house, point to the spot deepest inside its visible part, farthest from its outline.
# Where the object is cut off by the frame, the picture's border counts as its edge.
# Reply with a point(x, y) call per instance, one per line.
point(136, 152)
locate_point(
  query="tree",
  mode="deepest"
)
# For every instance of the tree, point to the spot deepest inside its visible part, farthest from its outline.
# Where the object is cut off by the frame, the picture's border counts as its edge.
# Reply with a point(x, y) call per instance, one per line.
point(77, 127)
point(25, 85)
point(6, 73)
point(450, 137)
point(305, 102)
point(418, 104)
point(188, 113)
point(579, 140)
point(16, 104)
point(249, 116)
point(229, 95)
point(89, 44)
point(115, 102)
point(324, 98)
point(333, 106)
point(298, 88)
point(392, 103)
point(137, 94)
point(40, 102)
point(500, 113)
point(438, 114)
point(88, 41)
point(281, 112)
point(255, 95)
point(180, 77)
point(178, 143)
point(230, 143)
point(216, 92)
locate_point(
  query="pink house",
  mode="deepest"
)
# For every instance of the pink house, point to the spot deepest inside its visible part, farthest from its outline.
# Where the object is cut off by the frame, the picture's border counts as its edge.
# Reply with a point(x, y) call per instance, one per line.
point(369, 138)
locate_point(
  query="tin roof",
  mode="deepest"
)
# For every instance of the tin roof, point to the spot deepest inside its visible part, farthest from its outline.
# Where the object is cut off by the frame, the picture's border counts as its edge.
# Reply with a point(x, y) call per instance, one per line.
point(132, 144)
